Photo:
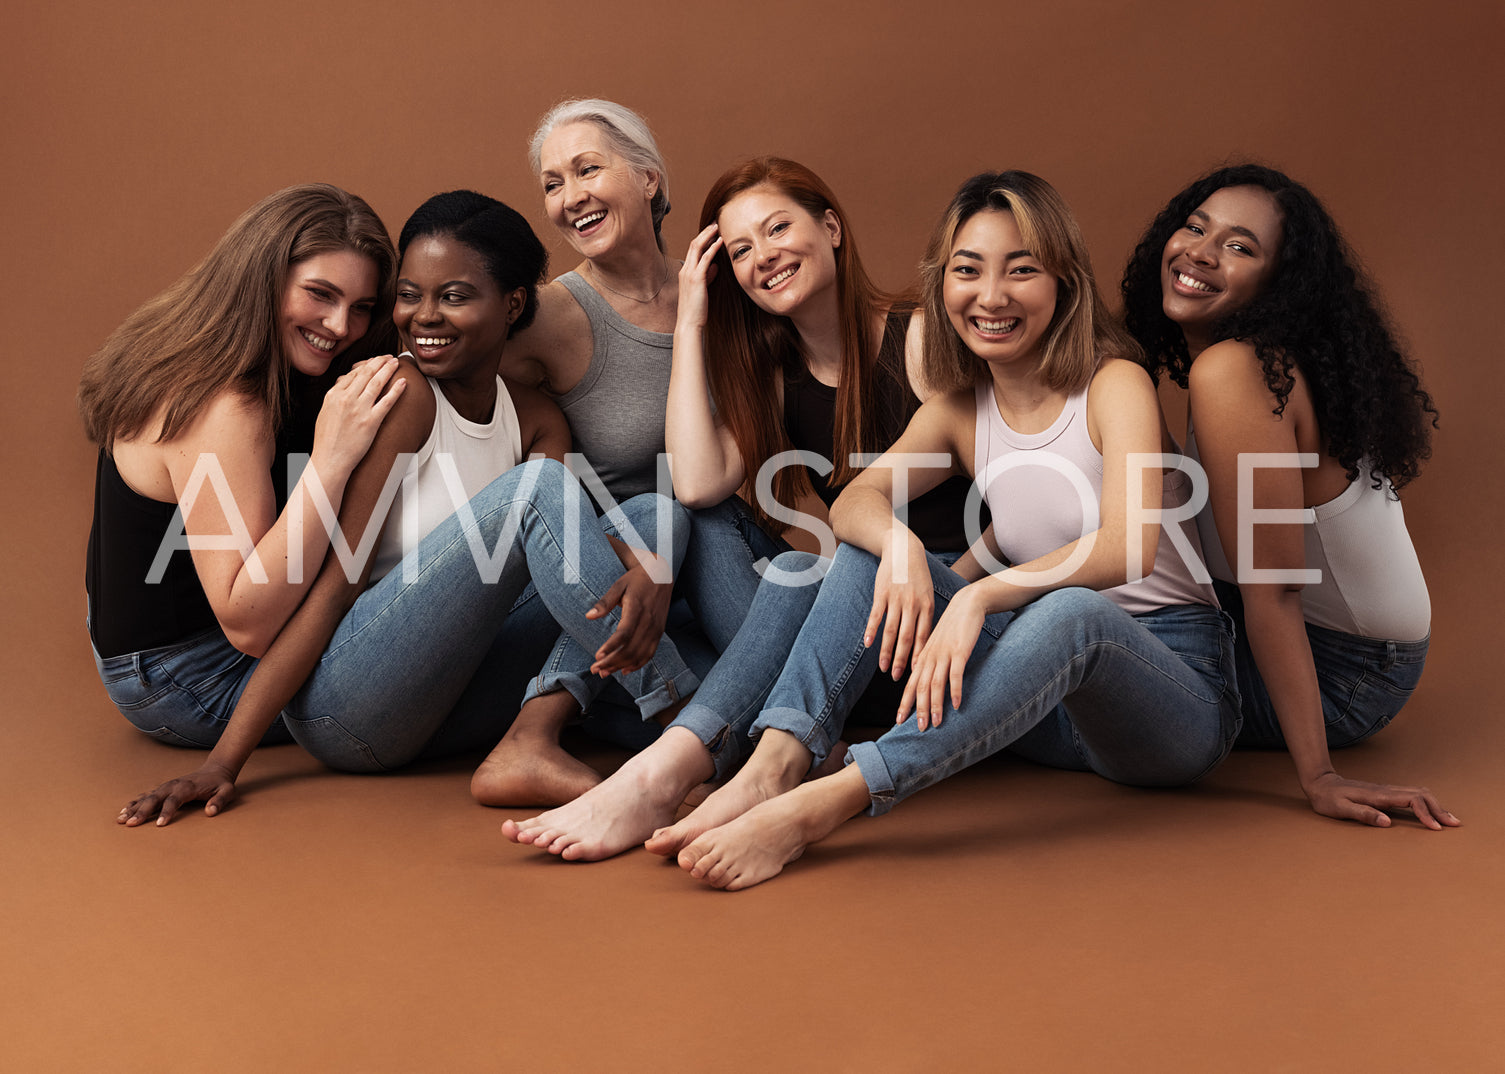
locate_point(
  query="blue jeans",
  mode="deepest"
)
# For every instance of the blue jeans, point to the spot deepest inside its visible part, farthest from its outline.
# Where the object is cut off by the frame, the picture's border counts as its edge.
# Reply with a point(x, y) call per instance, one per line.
point(644, 517)
point(715, 555)
point(183, 694)
point(732, 694)
point(1364, 681)
point(396, 678)
point(1071, 678)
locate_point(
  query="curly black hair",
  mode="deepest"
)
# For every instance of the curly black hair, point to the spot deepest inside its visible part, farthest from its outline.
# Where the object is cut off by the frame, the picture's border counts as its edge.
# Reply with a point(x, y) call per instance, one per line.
point(1317, 313)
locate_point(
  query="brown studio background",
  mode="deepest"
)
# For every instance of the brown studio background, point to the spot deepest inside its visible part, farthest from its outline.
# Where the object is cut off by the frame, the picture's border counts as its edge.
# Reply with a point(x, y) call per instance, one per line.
point(1014, 919)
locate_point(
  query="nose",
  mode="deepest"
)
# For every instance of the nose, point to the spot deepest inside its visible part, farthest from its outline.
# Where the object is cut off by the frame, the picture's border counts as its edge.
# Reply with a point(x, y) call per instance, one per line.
point(993, 293)
point(337, 323)
point(427, 312)
point(574, 192)
point(1203, 250)
point(764, 252)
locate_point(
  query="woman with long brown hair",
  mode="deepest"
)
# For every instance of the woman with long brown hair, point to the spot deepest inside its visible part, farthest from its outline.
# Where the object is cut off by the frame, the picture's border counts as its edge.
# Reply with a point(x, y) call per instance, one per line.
point(196, 402)
point(782, 345)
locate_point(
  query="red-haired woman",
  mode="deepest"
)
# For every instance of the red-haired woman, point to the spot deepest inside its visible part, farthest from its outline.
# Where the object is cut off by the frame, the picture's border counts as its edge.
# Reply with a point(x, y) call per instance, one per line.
point(782, 344)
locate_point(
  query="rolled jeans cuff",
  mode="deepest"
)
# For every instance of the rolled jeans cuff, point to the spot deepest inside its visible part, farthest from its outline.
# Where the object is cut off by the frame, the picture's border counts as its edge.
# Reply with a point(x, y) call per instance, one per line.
point(727, 750)
point(875, 773)
point(815, 735)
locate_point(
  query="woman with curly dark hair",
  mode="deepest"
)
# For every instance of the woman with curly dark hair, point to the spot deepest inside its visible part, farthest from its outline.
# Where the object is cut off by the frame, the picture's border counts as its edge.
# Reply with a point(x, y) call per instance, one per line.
point(1303, 409)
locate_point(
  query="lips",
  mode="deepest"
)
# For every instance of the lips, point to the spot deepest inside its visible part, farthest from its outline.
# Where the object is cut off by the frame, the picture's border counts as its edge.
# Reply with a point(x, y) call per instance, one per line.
point(318, 342)
point(994, 329)
point(1185, 283)
point(778, 278)
point(585, 223)
point(430, 347)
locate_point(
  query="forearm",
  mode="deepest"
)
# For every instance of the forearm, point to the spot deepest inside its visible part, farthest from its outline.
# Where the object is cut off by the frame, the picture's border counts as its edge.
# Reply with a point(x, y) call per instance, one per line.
point(1103, 567)
point(864, 517)
point(1276, 629)
point(704, 472)
point(290, 554)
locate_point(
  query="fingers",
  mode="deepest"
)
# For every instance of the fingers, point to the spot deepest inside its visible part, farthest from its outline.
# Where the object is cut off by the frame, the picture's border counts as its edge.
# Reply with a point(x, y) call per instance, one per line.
point(169, 810)
point(140, 810)
point(222, 798)
point(874, 618)
point(612, 598)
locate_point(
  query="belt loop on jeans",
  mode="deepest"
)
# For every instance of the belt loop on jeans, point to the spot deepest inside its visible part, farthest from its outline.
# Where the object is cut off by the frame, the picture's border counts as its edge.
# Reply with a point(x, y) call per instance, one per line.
point(1389, 656)
point(138, 669)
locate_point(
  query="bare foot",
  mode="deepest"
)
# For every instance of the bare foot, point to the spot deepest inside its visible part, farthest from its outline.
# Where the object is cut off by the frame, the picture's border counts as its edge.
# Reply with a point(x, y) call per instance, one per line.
point(528, 766)
point(757, 845)
point(624, 809)
point(779, 763)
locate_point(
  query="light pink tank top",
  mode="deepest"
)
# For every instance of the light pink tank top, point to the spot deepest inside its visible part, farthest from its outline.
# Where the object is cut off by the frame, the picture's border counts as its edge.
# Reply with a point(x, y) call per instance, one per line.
point(1045, 489)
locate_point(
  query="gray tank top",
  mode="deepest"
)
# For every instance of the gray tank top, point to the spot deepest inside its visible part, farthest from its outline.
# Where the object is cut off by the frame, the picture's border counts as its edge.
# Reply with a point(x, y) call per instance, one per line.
point(616, 412)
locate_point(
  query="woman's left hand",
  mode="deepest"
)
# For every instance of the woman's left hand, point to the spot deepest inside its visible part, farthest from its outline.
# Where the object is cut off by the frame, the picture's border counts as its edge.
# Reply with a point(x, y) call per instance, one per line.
point(943, 661)
point(645, 610)
point(1349, 799)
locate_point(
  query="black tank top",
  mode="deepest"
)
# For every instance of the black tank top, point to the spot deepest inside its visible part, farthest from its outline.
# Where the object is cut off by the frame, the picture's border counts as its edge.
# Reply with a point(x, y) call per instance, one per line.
point(128, 614)
point(810, 420)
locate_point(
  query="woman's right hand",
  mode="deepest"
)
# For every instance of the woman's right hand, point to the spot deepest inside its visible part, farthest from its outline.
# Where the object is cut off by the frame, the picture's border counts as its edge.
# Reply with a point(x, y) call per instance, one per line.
point(695, 276)
point(209, 782)
point(351, 413)
point(904, 607)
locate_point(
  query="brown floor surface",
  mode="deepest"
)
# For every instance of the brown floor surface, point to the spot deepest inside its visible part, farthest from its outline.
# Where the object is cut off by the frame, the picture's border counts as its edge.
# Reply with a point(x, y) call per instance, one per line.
point(1014, 919)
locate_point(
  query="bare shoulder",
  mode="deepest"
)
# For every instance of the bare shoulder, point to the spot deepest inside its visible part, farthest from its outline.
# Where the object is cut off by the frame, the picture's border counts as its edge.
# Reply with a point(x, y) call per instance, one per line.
point(1229, 365)
point(1120, 375)
point(553, 351)
point(412, 416)
point(541, 424)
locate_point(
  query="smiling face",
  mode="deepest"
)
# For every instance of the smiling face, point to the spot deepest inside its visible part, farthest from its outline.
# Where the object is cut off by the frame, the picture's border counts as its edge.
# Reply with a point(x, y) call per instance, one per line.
point(326, 306)
point(998, 296)
point(1220, 259)
point(451, 313)
point(781, 255)
point(593, 195)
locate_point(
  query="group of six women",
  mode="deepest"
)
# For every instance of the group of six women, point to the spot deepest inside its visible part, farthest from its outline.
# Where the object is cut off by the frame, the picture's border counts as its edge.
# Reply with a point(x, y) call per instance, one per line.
point(1019, 530)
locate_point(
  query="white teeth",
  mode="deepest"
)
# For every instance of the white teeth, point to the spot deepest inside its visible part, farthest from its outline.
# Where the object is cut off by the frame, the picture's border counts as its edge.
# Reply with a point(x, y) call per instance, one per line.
point(1198, 285)
point(774, 281)
point(589, 219)
point(318, 341)
point(431, 341)
point(1006, 325)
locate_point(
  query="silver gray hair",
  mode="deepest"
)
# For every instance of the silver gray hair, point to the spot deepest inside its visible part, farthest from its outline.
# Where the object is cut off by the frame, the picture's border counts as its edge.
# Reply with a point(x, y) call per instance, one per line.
point(626, 132)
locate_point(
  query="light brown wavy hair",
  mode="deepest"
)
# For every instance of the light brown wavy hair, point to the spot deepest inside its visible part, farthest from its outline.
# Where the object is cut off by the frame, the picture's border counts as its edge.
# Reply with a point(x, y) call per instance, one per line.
point(1082, 332)
point(215, 329)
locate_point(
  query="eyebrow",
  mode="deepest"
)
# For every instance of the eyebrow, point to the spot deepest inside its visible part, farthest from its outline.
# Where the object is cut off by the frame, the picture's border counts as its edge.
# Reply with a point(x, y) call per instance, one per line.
point(442, 286)
point(1012, 255)
point(573, 160)
point(1235, 228)
point(760, 225)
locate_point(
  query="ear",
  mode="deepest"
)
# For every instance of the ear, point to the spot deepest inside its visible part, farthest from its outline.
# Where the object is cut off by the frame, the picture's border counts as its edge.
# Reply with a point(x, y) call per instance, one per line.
point(650, 183)
point(832, 223)
point(515, 303)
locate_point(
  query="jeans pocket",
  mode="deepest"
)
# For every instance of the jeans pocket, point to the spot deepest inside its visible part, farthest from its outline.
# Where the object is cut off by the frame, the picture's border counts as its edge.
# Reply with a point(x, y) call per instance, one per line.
point(172, 738)
point(328, 742)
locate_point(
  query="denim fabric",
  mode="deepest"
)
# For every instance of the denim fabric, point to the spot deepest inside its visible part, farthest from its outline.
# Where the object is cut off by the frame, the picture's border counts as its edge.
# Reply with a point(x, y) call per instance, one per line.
point(732, 694)
point(1364, 681)
point(183, 694)
point(720, 575)
point(1147, 700)
point(404, 656)
point(636, 522)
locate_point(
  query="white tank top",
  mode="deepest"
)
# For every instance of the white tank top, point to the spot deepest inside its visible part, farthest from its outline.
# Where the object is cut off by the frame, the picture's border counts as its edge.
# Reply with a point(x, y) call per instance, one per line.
point(475, 453)
point(1371, 582)
point(1045, 490)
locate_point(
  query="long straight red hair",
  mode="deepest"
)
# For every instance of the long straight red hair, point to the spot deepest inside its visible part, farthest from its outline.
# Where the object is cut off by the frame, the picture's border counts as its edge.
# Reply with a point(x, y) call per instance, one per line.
point(745, 345)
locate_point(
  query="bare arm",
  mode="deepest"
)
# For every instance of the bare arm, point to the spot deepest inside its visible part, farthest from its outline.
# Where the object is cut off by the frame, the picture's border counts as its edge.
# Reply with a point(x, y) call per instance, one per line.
point(553, 352)
point(296, 650)
point(1123, 417)
point(253, 595)
point(703, 456)
point(1232, 411)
